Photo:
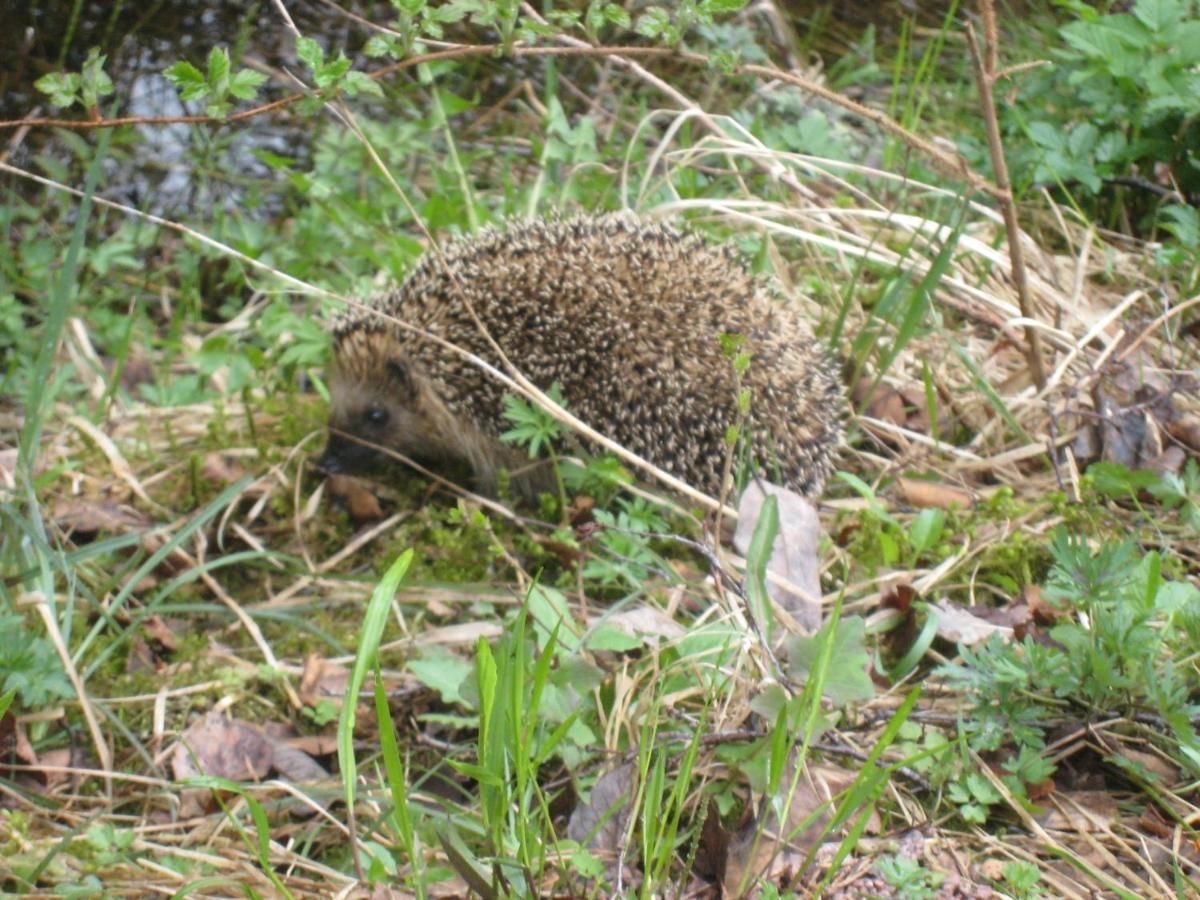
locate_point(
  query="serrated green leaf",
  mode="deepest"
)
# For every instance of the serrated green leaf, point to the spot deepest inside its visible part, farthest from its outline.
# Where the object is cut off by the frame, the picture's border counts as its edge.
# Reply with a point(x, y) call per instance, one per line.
point(245, 84)
point(93, 80)
point(1158, 15)
point(310, 53)
point(654, 23)
point(381, 45)
point(358, 83)
point(183, 74)
point(62, 87)
point(218, 70)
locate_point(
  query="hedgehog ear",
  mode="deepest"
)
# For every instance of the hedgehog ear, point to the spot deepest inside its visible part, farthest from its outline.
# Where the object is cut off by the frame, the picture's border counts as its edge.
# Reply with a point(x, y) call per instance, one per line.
point(399, 373)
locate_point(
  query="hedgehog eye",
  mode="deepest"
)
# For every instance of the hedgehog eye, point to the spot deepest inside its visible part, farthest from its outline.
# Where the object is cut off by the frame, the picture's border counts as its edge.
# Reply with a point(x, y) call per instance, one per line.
point(376, 415)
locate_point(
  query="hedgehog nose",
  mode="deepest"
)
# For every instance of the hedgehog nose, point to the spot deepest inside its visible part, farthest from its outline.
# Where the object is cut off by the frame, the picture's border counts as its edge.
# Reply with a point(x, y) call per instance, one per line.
point(328, 464)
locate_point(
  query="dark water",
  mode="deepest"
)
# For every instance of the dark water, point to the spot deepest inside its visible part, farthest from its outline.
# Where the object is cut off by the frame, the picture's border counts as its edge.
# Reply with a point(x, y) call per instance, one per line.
point(141, 40)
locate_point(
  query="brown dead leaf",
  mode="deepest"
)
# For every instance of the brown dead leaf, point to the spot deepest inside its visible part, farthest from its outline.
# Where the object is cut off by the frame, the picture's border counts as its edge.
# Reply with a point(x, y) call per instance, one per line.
point(51, 764)
point(352, 493)
point(224, 747)
point(1044, 613)
point(221, 468)
point(580, 510)
point(713, 847)
point(1011, 616)
point(959, 626)
point(87, 517)
point(231, 748)
point(1160, 770)
point(293, 764)
point(1187, 431)
point(140, 658)
point(322, 680)
point(641, 621)
point(1170, 461)
point(1081, 811)
point(157, 629)
point(899, 597)
point(794, 556)
point(763, 851)
point(314, 744)
point(905, 405)
point(888, 406)
point(931, 495)
point(8, 736)
point(567, 554)
point(599, 824)
point(1134, 408)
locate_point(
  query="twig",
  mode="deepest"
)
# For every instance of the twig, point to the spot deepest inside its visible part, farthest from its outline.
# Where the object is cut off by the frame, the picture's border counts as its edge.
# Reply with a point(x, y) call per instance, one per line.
point(985, 73)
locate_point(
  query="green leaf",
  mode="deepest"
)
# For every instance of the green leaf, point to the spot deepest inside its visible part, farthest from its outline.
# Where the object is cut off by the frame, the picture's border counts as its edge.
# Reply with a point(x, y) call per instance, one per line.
point(94, 82)
point(245, 84)
point(218, 71)
point(188, 79)
point(445, 672)
point(62, 87)
point(310, 53)
point(847, 680)
point(612, 638)
point(382, 45)
point(654, 23)
point(358, 83)
point(1158, 15)
point(926, 530)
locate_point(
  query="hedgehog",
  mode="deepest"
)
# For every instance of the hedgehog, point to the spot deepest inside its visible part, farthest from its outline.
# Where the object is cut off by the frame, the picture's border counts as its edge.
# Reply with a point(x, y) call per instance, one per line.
point(626, 317)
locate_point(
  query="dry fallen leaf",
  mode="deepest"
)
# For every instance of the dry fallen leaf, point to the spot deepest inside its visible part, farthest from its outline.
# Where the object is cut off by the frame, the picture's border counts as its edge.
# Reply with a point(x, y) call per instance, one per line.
point(231, 748)
point(362, 505)
point(931, 495)
point(762, 851)
point(221, 468)
point(794, 553)
point(157, 629)
point(140, 658)
point(958, 626)
point(322, 680)
point(1082, 811)
point(87, 517)
point(599, 824)
point(641, 621)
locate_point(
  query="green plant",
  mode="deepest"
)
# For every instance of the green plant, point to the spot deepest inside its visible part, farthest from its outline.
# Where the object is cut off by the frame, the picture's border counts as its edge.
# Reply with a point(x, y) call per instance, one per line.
point(1122, 99)
point(85, 87)
point(974, 796)
point(911, 880)
point(1022, 878)
point(216, 86)
point(29, 666)
point(1122, 628)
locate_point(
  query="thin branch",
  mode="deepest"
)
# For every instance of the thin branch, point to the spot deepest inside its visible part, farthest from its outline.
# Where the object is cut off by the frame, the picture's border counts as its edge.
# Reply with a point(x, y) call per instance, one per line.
point(985, 74)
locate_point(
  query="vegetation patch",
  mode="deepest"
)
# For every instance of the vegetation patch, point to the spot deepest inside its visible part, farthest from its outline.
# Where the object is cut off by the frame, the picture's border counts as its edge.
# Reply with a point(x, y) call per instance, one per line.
point(970, 670)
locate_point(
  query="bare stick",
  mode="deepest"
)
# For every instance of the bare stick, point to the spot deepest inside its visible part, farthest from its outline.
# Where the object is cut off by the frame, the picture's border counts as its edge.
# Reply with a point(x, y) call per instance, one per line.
point(985, 73)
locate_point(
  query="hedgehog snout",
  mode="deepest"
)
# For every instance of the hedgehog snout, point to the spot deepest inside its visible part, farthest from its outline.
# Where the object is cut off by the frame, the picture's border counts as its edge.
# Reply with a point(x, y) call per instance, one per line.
point(346, 456)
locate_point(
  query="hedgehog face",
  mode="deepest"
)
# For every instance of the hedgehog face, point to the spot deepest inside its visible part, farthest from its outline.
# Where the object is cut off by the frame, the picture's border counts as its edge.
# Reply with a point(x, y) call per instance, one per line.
point(374, 409)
